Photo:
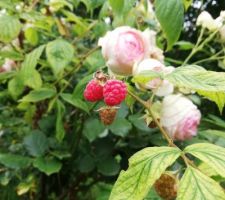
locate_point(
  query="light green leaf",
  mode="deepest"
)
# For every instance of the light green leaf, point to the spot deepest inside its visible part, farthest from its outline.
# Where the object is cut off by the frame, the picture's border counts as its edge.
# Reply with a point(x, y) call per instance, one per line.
point(14, 161)
point(60, 131)
point(36, 143)
point(75, 102)
point(10, 28)
point(195, 185)
point(145, 167)
point(31, 36)
point(211, 154)
point(211, 132)
point(59, 54)
point(187, 3)
point(47, 165)
point(207, 83)
point(171, 16)
point(117, 6)
point(16, 86)
point(39, 95)
point(28, 73)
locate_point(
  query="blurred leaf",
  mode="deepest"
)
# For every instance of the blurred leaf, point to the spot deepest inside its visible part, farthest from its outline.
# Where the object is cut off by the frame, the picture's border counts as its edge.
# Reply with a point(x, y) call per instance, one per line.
point(60, 131)
point(10, 28)
point(47, 165)
point(14, 161)
point(211, 154)
point(145, 167)
point(210, 132)
point(196, 185)
point(92, 129)
point(207, 170)
point(108, 167)
point(184, 45)
point(61, 154)
point(187, 3)
point(117, 6)
point(120, 127)
point(11, 54)
point(39, 95)
point(138, 121)
point(31, 36)
point(16, 86)
point(69, 98)
point(171, 22)
point(59, 54)
point(36, 143)
point(86, 164)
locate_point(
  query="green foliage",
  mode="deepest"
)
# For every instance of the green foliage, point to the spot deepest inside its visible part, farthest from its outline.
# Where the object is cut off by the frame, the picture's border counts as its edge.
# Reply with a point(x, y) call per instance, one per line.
point(195, 184)
point(14, 161)
point(145, 167)
point(170, 15)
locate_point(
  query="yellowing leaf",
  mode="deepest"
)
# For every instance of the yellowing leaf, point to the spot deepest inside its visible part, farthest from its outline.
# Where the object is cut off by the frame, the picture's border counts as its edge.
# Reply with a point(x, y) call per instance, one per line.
point(145, 167)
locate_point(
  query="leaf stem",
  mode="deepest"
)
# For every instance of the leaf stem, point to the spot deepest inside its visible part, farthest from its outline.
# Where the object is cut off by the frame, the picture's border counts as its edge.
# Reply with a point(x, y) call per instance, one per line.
point(163, 131)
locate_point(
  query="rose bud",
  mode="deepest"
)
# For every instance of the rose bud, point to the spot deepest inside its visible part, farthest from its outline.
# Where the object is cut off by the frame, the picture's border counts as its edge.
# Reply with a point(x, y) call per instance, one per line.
point(124, 46)
point(180, 117)
point(158, 86)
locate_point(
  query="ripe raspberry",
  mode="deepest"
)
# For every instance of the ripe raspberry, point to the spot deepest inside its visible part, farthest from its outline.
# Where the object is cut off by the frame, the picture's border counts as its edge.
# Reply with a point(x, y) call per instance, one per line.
point(107, 115)
point(93, 91)
point(114, 92)
point(166, 186)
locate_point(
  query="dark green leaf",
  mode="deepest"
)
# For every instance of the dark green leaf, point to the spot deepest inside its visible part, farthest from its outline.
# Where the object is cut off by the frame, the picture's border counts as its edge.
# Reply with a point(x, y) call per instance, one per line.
point(14, 161)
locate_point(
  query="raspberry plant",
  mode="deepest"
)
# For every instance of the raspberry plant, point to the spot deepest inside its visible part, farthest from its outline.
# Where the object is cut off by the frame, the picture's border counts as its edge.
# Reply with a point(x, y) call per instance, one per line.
point(111, 99)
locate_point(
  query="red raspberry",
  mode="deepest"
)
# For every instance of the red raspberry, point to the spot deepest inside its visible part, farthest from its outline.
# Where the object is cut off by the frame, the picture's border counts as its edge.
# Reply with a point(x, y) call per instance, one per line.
point(114, 92)
point(93, 91)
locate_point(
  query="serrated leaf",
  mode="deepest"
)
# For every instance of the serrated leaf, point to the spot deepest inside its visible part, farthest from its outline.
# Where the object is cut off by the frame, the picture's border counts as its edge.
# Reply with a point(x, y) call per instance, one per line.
point(47, 165)
point(211, 154)
point(14, 161)
point(195, 185)
point(36, 143)
point(145, 167)
point(207, 83)
point(60, 131)
point(59, 54)
point(10, 28)
point(171, 16)
point(39, 95)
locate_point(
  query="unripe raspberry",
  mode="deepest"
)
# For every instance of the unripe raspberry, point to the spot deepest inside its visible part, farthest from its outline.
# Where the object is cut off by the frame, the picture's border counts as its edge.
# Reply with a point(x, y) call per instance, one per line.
point(114, 92)
point(93, 91)
point(166, 186)
point(107, 115)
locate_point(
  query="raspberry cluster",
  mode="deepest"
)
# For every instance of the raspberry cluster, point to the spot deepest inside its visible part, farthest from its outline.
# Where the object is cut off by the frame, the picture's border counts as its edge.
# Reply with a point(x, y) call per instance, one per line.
point(111, 91)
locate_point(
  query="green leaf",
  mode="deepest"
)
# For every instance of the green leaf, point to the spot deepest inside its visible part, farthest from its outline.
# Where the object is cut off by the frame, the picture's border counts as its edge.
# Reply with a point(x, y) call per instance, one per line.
point(14, 161)
point(187, 3)
point(60, 131)
point(10, 28)
point(69, 98)
point(86, 164)
point(59, 54)
point(211, 154)
point(92, 129)
point(120, 127)
point(195, 185)
point(28, 73)
point(207, 83)
point(117, 6)
point(108, 166)
point(184, 45)
point(39, 95)
point(36, 143)
point(171, 16)
point(16, 86)
point(31, 36)
point(145, 167)
point(47, 165)
point(211, 132)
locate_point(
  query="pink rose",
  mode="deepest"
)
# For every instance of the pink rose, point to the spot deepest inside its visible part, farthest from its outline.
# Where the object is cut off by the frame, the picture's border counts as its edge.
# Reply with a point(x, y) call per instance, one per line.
point(180, 117)
point(158, 86)
point(125, 46)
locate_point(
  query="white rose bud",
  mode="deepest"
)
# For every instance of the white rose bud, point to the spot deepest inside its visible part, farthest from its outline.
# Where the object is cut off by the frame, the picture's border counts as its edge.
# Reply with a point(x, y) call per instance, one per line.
point(158, 86)
point(180, 117)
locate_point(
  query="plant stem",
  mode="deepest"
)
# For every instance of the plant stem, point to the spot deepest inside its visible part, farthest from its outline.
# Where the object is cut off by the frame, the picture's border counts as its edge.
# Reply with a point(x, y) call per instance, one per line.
point(164, 133)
